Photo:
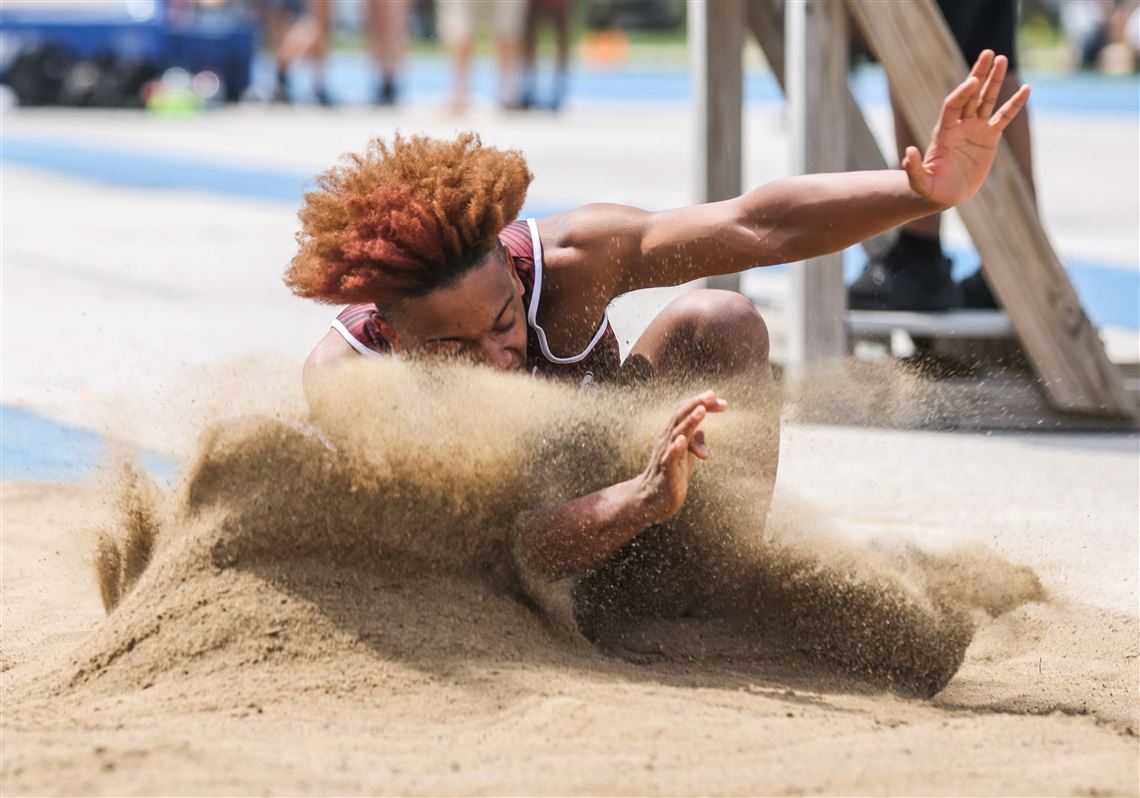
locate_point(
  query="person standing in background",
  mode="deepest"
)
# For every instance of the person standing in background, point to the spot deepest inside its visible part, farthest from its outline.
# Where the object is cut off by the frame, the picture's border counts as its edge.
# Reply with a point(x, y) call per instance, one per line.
point(308, 38)
point(388, 39)
point(457, 28)
point(914, 273)
point(275, 17)
point(386, 24)
point(558, 12)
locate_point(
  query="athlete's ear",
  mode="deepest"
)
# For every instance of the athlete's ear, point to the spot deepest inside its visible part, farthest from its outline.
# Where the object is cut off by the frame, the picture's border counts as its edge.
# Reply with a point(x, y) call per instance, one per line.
point(515, 276)
point(391, 335)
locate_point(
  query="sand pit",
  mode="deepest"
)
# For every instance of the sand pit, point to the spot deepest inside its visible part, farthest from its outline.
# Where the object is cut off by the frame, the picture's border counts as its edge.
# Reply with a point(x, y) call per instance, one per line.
point(332, 606)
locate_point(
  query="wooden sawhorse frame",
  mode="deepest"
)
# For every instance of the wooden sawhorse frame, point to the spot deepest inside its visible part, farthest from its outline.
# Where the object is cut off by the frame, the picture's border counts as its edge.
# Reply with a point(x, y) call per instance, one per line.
point(806, 42)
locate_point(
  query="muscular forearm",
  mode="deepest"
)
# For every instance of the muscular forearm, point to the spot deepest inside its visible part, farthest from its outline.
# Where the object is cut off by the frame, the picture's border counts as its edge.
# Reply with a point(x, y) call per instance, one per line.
point(810, 215)
point(803, 217)
point(789, 220)
point(564, 540)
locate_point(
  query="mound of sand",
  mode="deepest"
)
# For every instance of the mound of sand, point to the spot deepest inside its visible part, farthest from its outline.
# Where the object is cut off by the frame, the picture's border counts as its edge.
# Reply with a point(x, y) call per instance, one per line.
point(311, 582)
point(411, 480)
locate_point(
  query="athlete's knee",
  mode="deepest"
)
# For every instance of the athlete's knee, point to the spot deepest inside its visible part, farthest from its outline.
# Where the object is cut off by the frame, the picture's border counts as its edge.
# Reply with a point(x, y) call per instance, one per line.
point(724, 318)
point(714, 331)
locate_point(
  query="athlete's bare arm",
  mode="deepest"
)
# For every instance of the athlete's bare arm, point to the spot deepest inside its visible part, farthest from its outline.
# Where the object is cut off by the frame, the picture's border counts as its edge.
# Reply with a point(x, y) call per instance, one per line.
point(795, 218)
point(569, 538)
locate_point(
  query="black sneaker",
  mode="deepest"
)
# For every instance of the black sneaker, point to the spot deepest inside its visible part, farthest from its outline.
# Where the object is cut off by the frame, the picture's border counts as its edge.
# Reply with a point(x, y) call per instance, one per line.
point(321, 95)
point(900, 280)
point(386, 94)
point(976, 292)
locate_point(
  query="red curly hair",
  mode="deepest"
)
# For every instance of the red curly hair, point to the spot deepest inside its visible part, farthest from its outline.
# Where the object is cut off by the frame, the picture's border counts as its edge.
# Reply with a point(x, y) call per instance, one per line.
point(404, 219)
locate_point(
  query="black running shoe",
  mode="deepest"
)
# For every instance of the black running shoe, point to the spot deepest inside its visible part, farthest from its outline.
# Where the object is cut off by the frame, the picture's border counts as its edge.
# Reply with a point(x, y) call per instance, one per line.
point(322, 97)
point(976, 292)
point(897, 280)
point(386, 95)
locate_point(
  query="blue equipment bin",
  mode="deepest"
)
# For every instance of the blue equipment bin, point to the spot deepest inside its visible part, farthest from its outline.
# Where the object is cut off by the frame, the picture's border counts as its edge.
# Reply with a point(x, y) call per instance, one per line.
point(163, 33)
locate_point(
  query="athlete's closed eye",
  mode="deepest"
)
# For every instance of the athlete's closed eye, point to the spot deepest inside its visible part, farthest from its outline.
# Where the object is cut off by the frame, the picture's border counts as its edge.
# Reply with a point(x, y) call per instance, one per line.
point(506, 318)
point(506, 325)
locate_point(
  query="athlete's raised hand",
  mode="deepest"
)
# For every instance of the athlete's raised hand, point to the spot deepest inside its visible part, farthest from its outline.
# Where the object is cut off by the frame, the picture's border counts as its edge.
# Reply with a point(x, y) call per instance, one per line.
point(964, 142)
point(665, 482)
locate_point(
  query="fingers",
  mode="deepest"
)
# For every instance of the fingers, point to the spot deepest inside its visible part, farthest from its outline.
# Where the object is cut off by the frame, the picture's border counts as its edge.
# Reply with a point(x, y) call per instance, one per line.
point(912, 163)
point(708, 400)
point(697, 446)
point(912, 159)
point(676, 449)
point(978, 94)
point(1011, 109)
point(681, 446)
point(955, 102)
point(992, 87)
point(684, 425)
point(690, 423)
point(980, 70)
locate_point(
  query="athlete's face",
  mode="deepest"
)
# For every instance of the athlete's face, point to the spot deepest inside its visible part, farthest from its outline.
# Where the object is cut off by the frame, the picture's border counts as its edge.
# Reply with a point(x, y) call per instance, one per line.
point(480, 318)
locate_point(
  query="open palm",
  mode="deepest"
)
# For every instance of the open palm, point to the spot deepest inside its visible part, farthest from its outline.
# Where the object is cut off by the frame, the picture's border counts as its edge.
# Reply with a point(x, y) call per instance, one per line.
point(964, 141)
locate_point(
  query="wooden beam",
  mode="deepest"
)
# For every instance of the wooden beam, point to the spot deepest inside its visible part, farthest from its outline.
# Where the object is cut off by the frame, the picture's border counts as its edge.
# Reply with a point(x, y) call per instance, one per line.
point(816, 85)
point(765, 18)
point(716, 44)
point(924, 64)
point(959, 324)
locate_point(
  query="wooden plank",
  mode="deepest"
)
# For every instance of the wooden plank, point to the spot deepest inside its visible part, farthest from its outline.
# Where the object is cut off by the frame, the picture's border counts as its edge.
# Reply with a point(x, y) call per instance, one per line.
point(816, 83)
point(923, 63)
point(971, 324)
point(999, 400)
point(1007, 400)
point(716, 44)
point(765, 18)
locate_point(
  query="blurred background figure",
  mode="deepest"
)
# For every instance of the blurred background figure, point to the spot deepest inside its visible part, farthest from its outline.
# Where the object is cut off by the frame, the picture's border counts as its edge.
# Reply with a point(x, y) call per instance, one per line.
point(914, 273)
point(387, 22)
point(275, 17)
point(307, 37)
point(558, 13)
point(1100, 31)
point(457, 21)
point(386, 27)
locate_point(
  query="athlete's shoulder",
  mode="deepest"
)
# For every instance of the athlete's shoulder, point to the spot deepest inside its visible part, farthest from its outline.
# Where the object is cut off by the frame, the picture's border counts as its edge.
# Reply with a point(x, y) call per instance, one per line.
point(587, 224)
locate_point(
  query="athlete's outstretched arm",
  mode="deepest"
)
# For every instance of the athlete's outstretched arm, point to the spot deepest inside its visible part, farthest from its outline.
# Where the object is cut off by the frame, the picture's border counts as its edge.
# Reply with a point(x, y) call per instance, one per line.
point(798, 217)
point(569, 538)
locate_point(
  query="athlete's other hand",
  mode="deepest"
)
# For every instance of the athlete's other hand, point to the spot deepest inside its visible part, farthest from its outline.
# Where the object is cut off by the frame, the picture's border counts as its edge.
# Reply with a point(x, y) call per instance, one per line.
point(964, 141)
point(664, 484)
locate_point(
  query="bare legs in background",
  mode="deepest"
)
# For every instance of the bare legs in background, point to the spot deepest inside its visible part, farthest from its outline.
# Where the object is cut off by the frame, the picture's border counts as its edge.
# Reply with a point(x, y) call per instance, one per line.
point(386, 31)
point(457, 28)
point(558, 13)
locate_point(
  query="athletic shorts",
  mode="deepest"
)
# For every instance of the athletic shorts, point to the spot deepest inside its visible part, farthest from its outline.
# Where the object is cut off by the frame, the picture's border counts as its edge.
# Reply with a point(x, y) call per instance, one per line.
point(456, 18)
point(983, 25)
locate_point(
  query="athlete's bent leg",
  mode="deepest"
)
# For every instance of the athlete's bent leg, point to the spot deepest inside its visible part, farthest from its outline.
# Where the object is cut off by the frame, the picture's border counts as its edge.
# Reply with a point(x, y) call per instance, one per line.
point(717, 339)
point(704, 339)
point(706, 333)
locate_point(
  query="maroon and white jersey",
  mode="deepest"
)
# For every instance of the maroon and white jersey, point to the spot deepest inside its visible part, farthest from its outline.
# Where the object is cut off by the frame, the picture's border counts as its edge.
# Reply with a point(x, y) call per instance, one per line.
point(599, 361)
